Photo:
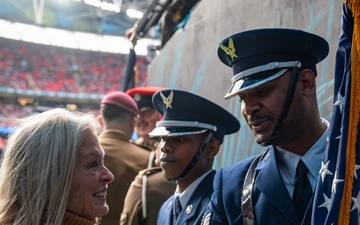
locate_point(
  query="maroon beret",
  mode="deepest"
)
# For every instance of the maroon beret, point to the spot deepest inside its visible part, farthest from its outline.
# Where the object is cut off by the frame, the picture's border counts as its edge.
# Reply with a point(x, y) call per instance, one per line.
point(121, 100)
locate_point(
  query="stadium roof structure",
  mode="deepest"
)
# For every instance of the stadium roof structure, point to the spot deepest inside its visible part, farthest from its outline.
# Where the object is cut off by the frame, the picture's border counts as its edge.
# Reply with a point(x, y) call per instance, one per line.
point(80, 24)
point(89, 16)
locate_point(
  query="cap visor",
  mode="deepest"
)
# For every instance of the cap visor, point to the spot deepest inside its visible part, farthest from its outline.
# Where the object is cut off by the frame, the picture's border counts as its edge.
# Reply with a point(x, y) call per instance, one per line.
point(247, 84)
point(175, 131)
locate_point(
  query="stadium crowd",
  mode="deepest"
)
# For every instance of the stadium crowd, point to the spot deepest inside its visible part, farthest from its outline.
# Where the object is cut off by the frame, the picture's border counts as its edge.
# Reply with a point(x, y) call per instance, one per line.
point(31, 66)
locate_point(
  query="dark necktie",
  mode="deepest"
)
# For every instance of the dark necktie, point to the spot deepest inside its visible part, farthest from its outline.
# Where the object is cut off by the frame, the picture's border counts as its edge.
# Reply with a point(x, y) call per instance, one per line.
point(178, 207)
point(302, 190)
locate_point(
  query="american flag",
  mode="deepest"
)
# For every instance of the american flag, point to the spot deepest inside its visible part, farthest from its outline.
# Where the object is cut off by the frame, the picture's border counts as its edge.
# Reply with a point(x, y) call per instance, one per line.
point(337, 197)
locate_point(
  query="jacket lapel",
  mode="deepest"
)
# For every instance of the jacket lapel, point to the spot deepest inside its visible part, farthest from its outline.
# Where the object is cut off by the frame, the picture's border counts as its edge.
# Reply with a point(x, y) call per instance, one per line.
point(195, 204)
point(275, 189)
point(167, 216)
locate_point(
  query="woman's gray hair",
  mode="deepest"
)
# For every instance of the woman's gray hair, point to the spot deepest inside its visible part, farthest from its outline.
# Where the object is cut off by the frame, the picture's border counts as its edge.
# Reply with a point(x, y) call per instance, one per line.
point(38, 166)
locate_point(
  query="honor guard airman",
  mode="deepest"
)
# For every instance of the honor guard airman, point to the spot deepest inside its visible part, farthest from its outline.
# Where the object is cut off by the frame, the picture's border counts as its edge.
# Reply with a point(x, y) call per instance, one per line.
point(274, 71)
point(192, 129)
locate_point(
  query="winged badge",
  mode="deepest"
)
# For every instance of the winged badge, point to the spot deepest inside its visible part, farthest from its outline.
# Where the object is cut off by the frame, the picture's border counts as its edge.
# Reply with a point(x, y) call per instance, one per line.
point(230, 50)
point(167, 100)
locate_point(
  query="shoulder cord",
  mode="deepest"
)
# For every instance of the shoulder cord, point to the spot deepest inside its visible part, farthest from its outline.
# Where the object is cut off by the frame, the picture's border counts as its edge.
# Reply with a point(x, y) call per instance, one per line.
point(144, 182)
point(151, 159)
point(246, 197)
point(143, 196)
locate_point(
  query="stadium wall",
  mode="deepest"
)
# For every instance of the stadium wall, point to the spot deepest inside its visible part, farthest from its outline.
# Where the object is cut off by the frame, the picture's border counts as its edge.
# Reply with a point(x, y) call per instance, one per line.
point(189, 61)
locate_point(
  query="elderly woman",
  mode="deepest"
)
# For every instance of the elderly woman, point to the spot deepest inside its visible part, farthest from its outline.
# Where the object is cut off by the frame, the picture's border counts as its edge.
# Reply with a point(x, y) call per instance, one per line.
point(53, 171)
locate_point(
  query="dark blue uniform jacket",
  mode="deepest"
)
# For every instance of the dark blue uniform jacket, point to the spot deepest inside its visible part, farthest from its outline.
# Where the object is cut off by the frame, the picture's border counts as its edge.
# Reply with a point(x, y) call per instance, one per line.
point(194, 210)
point(272, 204)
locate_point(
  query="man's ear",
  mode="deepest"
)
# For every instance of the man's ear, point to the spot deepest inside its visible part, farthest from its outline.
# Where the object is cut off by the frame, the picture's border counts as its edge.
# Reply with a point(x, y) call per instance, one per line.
point(307, 80)
point(100, 119)
point(213, 147)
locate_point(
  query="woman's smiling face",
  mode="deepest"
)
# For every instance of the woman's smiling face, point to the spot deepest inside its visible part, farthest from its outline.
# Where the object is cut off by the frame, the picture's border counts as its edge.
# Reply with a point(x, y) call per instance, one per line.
point(87, 196)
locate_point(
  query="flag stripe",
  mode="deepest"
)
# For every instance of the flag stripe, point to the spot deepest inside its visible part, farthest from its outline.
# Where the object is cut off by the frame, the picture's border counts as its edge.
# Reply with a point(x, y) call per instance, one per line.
point(337, 196)
point(344, 214)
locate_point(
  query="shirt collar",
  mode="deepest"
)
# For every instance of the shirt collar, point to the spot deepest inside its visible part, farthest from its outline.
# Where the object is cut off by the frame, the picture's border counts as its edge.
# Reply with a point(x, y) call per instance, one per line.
point(316, 152)
point(186, 194)
point(290, 160)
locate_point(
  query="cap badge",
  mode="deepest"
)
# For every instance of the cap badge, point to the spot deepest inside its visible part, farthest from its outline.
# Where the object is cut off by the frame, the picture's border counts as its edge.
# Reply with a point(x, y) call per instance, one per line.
point(137, 97)
point(167, 100)
point(230, 50)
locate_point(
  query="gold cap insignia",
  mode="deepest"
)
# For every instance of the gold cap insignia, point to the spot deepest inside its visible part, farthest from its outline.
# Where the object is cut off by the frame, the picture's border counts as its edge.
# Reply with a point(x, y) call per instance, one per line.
point(167, 100)
point(230, 50)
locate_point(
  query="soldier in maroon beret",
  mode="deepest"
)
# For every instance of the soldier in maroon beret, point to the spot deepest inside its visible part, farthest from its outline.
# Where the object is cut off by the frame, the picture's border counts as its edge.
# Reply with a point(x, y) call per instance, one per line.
point(118, 113)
